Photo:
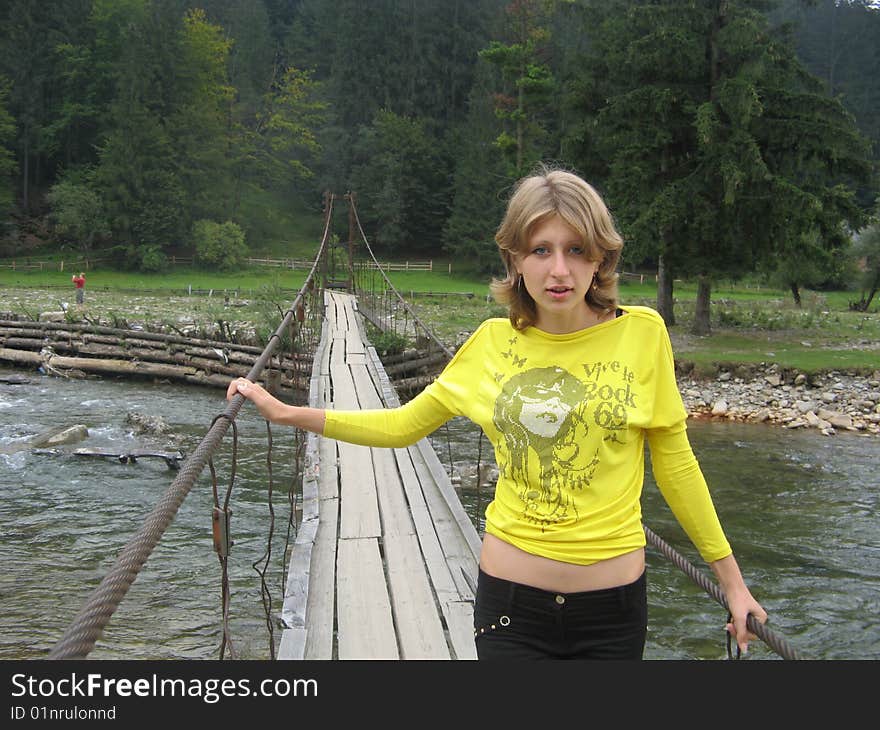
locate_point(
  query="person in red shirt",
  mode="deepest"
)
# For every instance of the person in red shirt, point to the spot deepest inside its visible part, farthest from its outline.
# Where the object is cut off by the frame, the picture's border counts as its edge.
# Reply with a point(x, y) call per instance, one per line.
point(80, 281)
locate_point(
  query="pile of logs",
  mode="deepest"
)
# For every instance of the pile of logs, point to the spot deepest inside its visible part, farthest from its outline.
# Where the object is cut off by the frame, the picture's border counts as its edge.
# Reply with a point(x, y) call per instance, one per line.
point(70, 349)
point(412, 370)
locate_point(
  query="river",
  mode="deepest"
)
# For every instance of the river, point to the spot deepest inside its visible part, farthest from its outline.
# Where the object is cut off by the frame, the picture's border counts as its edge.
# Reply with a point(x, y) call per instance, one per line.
point(799, 508)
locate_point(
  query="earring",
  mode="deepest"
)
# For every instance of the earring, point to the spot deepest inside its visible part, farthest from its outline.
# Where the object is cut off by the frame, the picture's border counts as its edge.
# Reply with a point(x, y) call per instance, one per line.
point(519, 284)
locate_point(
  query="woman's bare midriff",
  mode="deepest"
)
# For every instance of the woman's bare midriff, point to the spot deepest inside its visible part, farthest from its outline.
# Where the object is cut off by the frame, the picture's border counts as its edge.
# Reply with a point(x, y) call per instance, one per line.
point(503, 560)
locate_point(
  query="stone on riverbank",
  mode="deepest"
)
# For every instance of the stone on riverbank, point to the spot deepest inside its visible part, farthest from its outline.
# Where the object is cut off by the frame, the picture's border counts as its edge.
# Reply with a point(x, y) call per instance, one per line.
point(829, 402)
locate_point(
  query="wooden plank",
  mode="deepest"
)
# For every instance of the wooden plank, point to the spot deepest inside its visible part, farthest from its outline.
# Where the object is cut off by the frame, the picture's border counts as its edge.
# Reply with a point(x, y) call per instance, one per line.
point(432, 551)
point(293, 644)
point(460, 623)
point(393, 507)
point(365, 628)
point(455, 548)
point(453, 604)
point(330, 312)
point(296, 589)
point(310, 478)
point(357, 483)
point(322, 583)
point(337, 350)
point(353, 341)
point(364, 386)
point(450, 497)
point(323, 352)
point(328, 474)
point(359, 511)
point(344, 393)
point(297, 585)
point(416, 614)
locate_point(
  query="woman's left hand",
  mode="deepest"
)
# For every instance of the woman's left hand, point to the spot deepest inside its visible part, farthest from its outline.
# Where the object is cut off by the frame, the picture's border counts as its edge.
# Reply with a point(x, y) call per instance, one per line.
point(741, 604)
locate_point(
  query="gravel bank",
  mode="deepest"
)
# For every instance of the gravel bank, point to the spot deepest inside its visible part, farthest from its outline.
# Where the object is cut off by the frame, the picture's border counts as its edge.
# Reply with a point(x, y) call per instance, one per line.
point(830, 402)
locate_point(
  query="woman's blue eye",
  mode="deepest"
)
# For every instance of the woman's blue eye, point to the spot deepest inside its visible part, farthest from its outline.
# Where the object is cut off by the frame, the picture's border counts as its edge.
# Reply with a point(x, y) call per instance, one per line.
point(577, 250)
point(539, 250)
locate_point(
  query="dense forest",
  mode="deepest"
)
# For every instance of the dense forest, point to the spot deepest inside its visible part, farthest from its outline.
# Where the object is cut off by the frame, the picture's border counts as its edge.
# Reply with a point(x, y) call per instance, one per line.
point(728, 136)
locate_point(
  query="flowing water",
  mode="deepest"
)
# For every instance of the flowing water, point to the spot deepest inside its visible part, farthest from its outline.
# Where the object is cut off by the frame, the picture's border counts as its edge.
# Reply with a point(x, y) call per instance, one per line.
point(799, 509)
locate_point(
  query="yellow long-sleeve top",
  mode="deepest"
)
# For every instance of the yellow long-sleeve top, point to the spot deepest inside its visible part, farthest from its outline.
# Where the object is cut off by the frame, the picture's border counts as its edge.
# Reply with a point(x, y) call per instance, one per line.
point(567, 416)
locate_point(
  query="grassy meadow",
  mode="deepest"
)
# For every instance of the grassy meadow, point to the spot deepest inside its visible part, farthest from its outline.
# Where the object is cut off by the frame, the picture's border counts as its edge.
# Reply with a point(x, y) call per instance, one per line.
point(750, 324)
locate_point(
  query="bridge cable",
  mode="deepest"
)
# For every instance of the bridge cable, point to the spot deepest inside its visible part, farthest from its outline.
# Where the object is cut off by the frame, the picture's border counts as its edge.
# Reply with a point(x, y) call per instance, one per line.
point(775, 642)
point(220, 524)
point(266, 557)
point(391, 286)
point(89, 623)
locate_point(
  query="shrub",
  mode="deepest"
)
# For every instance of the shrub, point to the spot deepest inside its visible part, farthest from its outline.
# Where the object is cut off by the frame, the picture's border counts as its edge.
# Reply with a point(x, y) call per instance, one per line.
point(220, 245)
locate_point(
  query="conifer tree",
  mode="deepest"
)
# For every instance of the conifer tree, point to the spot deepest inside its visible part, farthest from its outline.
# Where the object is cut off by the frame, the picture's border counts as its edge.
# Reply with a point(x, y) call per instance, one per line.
point(721, 151)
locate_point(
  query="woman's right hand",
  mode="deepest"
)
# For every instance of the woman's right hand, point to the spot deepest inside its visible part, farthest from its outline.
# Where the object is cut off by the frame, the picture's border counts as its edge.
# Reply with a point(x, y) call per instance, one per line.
point(274, 410)
point(268, 405)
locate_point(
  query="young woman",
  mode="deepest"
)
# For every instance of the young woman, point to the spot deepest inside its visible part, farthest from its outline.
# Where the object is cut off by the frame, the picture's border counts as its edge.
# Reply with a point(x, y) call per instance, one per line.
point(567, 389)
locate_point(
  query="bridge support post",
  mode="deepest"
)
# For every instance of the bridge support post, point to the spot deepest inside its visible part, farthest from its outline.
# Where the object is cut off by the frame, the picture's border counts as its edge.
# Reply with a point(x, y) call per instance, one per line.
point(351, 238)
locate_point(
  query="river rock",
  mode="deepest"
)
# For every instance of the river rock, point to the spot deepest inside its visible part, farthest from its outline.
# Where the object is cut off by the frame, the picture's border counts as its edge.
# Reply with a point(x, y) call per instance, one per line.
point(143, 423)
point(14, 379)
point(828, 402)
point(720, 408)
point(57, 437)
point(840, 420)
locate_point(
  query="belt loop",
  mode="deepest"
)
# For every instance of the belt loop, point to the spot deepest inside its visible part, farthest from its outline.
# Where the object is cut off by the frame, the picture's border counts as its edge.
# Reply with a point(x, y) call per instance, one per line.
point(511, 595)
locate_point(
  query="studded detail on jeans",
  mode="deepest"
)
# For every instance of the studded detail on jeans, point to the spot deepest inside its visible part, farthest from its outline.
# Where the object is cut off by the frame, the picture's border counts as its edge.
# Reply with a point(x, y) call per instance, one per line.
point(502, 621)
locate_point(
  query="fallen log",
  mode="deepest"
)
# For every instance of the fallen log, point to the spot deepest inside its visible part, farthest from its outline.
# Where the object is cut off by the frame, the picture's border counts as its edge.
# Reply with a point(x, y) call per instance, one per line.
point(418, 382)
point(127, 334)
point(24, 343)
point(20, 356)
point(410, 365)
point(103, 345)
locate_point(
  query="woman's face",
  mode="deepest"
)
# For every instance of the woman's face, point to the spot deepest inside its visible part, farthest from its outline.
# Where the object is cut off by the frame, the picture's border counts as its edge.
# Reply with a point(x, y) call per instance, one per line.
point(557, 274)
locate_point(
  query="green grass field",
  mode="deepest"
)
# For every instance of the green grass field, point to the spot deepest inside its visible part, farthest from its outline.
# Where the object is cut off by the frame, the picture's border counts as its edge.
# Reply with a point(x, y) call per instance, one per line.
point(750, 324)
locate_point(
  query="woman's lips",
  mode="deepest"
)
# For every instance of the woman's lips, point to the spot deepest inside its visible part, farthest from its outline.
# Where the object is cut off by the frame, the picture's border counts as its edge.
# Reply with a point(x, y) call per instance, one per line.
point(558, 293)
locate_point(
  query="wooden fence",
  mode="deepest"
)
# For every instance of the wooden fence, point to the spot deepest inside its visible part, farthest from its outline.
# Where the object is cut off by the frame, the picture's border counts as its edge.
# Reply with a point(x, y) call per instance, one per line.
point(28, 265)
point(284, 263)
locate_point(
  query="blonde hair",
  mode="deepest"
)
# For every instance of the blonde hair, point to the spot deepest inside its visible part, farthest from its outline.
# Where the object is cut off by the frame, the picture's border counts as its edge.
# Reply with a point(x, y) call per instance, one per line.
point(541, 195)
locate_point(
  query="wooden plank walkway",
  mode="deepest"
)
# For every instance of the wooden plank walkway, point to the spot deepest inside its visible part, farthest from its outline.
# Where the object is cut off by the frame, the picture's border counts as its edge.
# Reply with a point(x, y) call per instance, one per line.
point(385, 559)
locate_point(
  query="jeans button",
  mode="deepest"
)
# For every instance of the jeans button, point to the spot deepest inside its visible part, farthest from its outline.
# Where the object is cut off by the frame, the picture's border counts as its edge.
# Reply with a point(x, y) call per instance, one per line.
point(560, 599)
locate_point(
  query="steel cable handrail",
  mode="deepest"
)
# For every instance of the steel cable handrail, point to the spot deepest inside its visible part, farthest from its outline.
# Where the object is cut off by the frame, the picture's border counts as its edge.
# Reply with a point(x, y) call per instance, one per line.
point(88, 625)
point(777, 643)
point(406, 306)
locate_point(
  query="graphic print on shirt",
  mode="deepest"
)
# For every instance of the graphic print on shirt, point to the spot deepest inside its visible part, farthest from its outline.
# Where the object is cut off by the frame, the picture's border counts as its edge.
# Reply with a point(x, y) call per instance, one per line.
point(546, 414)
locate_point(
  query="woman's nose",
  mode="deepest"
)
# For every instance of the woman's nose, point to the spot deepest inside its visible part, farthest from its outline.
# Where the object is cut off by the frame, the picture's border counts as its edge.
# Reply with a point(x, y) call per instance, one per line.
point(559, 265)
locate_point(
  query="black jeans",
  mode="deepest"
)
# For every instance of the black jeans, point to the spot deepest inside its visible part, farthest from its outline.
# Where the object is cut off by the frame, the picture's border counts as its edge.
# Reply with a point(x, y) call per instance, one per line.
point(515, 621)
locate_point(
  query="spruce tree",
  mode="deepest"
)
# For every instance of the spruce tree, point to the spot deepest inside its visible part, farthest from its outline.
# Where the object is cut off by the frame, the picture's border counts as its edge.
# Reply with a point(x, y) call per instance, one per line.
point(721, 152)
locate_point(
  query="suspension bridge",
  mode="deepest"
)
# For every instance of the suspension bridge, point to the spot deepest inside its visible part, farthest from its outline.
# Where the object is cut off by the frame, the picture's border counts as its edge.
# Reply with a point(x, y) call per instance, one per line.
point(384, 560)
